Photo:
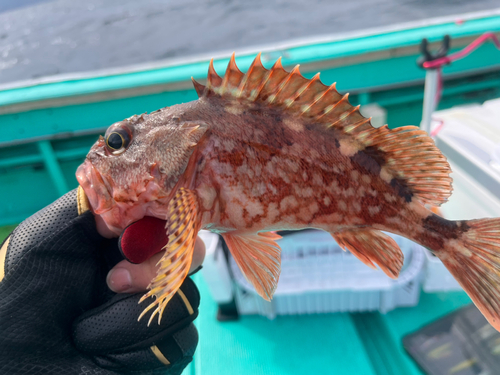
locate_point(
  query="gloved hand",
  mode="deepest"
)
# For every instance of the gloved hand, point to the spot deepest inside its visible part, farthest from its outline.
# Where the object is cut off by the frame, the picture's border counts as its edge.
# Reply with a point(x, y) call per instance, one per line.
point(58, 316)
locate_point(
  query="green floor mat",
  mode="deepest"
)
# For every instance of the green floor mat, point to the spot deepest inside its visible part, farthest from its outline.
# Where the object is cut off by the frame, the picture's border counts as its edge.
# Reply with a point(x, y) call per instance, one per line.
point(336, 344)
point(307, 344)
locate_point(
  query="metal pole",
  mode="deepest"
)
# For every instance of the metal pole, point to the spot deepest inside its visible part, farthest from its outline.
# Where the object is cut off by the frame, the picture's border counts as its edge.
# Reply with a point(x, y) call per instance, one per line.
point(430, 91)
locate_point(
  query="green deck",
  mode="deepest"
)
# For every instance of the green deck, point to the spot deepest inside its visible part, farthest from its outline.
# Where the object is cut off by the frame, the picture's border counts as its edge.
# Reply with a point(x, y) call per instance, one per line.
point(334, 344)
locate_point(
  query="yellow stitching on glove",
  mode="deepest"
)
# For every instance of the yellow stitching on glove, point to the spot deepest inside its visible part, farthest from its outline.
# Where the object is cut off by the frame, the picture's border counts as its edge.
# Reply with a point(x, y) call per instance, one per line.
point(186, 302)
point(159, 355)
point(82, 201)
point(3, 254)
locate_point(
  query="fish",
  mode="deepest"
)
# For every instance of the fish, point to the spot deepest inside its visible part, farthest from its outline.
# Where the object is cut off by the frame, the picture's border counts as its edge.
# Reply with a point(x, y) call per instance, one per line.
point(270, 150)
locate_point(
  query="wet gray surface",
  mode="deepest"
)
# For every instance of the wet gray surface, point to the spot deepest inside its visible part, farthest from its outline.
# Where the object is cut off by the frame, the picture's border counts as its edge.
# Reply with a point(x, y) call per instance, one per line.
point(40, 38)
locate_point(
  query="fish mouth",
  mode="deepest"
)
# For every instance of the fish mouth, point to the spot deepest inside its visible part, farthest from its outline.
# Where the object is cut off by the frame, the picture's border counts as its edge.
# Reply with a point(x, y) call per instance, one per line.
point(109, 203)
point(116, 215)
point(95, 188)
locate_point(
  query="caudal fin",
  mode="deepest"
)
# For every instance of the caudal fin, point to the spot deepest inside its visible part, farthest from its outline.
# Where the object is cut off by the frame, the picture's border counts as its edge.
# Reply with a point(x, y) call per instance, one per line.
point(474, 260)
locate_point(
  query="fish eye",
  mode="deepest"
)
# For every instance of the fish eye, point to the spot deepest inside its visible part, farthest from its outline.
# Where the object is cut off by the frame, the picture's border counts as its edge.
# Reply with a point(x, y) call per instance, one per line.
point(117, 140)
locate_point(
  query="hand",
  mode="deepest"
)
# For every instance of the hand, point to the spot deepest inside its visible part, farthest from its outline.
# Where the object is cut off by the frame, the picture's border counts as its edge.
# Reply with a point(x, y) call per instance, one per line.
point(141, 243)
point(128, 277)
point(57, 315)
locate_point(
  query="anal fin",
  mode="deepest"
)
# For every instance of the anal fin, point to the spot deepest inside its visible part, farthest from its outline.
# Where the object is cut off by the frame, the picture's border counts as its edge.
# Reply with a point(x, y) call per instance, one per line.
point(259, 258)
point(372, 246)
point(182, 227)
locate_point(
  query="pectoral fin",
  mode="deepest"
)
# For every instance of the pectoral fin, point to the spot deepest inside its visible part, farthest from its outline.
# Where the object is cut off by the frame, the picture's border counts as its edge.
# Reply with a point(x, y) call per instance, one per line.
point(372, 246)
point(182, 227)
point(258, 256)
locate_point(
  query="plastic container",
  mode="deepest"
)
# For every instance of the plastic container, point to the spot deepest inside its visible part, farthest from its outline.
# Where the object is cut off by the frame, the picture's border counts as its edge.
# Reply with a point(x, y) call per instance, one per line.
point(470, 139)
point(437, 278)
point(319, 277)
point(215, 269)
point(470, 200)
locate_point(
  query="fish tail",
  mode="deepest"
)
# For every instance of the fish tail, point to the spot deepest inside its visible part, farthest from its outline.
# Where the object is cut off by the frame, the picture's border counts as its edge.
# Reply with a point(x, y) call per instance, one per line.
point(470, 250)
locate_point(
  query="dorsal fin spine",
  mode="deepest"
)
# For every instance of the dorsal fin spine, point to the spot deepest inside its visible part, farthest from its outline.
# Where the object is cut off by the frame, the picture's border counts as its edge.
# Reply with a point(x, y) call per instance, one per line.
point(367, 132)
point(225, 79)
point(268, 75)
point(255, 94)
point(232, 78)
point(213, 79)
point(320, 96)
point(256, 64)
point(352, 127)
point(295, 71)
point(301, 90)
point(331, 107)
point(271, 76)
point(200, 89)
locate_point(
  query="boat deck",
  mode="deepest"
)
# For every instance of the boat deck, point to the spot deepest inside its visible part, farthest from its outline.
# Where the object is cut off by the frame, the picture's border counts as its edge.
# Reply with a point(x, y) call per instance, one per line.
point(334, 344)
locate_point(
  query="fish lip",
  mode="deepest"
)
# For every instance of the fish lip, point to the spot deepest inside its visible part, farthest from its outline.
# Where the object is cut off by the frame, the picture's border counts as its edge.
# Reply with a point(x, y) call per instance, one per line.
point(95, 187)
point(117, 215)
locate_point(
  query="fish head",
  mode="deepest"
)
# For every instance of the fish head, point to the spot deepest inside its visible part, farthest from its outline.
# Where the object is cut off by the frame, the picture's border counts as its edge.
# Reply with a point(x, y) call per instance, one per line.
point(131, 171)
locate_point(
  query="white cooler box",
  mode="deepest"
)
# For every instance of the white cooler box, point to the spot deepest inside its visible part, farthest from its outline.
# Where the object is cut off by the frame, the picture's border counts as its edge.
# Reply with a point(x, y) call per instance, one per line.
point(470, 139)
point(317, 277)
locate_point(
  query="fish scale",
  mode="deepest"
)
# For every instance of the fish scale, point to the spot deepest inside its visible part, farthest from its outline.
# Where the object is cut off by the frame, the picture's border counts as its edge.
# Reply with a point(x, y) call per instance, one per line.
point(270, 150)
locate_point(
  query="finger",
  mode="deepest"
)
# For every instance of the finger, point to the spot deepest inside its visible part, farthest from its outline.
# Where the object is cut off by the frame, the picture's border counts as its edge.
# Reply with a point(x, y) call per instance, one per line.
point(102, 228)
point(198, 254)
point(127, 277)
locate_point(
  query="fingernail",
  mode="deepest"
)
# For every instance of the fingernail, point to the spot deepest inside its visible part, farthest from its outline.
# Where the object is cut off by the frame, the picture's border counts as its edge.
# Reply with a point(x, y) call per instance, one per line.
point(119, 280)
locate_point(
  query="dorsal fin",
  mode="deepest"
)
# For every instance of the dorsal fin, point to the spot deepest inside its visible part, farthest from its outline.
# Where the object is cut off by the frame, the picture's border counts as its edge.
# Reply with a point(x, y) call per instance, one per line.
point(198, 87)
point(231, 79)
point(252, 79)
point(407, 154)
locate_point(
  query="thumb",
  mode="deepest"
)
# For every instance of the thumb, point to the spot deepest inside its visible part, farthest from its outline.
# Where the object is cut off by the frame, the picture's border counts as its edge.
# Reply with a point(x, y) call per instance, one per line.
point(127, 277)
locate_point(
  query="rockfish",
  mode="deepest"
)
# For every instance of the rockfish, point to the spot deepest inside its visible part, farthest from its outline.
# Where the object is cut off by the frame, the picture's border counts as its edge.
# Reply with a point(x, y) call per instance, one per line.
point(270, 150)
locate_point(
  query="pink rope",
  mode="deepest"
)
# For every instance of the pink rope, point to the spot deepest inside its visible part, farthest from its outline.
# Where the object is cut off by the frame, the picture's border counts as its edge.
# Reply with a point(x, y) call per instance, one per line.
point(464, 52)
point(438, 127)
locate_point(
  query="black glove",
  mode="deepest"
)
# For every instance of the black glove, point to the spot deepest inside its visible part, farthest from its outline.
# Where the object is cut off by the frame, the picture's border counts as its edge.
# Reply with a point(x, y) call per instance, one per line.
point(57, 315)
